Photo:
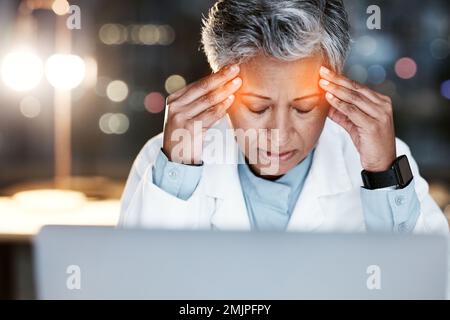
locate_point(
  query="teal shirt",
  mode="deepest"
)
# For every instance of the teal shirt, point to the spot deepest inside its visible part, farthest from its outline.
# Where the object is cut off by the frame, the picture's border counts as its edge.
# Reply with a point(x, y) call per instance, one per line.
point(271, 203)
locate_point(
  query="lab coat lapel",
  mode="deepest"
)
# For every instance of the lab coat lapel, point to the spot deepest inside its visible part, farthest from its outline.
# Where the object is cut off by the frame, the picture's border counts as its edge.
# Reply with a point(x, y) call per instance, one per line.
point(225, 188)
point(222, 183)
point(325, 185)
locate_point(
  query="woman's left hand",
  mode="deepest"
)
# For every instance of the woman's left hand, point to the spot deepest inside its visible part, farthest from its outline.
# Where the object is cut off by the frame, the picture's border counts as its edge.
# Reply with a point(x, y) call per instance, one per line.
point(366, 115)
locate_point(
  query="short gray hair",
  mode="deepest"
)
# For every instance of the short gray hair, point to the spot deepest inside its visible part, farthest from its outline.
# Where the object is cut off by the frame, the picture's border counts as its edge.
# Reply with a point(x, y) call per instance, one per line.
point(236, 30)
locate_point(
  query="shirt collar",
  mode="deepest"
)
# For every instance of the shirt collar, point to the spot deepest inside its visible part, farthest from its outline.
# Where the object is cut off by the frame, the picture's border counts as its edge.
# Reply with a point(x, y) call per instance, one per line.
point(275, 193)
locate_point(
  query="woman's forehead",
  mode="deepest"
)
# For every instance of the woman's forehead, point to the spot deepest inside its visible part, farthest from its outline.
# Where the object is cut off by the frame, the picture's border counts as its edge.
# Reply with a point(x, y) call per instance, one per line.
point(266, 75)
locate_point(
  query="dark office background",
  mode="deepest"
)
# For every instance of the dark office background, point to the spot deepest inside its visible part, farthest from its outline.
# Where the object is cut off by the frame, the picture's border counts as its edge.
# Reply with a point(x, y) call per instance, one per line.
point(415, 29)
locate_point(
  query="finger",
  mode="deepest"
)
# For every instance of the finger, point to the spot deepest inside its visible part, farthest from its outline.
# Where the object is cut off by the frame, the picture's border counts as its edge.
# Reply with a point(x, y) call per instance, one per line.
point(212, 98)
point(212, 115)
point(343, 121)
point(172, 97)
point(349, 84)
point(352, 97)
point(353, 113)
point(206, 85)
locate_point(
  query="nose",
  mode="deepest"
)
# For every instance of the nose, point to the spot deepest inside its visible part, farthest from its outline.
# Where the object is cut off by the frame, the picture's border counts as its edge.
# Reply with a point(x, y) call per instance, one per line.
point(282, 122)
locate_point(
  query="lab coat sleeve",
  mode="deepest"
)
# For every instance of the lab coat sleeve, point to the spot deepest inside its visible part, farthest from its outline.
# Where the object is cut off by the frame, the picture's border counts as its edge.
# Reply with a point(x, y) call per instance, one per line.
point(145, 205)
point(411, 209)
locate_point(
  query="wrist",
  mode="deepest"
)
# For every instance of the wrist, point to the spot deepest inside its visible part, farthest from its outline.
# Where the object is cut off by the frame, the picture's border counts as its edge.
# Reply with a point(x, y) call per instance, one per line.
point(381, 166)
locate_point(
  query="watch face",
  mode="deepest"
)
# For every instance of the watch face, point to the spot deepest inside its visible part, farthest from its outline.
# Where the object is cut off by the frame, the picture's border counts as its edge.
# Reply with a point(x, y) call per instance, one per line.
point(403, 170)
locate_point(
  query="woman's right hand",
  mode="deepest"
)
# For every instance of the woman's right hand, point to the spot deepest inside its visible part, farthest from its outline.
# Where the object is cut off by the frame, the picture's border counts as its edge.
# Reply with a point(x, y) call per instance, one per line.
point(206, 100)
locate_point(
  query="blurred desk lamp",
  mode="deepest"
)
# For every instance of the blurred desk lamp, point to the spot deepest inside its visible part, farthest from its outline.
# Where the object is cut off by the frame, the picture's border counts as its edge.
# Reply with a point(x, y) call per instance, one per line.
point(22, 70)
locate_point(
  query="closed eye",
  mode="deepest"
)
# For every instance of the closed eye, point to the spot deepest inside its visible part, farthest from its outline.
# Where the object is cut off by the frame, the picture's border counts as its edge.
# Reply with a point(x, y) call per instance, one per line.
point(259, 110)
point(301, 111)
point(305, 107)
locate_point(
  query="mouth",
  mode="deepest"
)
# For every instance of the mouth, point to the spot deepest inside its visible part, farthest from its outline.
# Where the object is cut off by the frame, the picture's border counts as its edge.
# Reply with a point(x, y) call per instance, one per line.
point(282, 156)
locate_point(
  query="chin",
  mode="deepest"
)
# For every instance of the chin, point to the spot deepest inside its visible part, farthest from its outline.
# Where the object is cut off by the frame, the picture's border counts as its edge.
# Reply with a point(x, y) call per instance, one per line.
point(277, 169)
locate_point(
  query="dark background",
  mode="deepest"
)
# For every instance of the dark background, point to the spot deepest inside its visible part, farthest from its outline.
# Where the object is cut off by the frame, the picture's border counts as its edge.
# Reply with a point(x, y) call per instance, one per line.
point(409, 28)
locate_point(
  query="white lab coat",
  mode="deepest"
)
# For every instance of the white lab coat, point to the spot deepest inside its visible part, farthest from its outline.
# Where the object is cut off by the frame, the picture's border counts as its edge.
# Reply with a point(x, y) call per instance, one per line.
point(329, 202)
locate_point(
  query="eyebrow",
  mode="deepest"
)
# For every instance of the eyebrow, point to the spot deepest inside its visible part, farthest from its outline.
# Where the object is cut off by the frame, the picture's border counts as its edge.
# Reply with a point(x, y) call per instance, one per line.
point(268, 98)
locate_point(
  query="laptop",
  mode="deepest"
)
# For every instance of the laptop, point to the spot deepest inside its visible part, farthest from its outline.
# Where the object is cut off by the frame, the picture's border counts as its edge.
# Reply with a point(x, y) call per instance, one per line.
point(110, 263)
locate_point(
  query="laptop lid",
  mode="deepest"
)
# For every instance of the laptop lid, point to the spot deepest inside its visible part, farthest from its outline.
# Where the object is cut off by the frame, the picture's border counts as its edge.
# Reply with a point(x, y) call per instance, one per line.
point(109, 263)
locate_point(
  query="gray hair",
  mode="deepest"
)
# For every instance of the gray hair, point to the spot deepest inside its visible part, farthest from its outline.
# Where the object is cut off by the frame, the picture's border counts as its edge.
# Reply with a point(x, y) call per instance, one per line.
point(237, 30)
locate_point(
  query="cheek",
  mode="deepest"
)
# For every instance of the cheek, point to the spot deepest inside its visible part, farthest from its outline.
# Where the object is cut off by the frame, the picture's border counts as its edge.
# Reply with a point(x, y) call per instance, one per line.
point(310, 127)
point(247, 129)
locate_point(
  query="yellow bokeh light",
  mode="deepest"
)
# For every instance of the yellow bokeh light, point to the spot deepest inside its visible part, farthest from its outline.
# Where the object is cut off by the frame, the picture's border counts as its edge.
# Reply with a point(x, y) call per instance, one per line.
point(30, 107)
point(118, 123)
point(22, 70)
point(149, 34)
point(103, 123)
point(166, 35)
point(117, 91)
point(114, 123)
point(174, 83)
point(60, 7)
point(65, 71)
point(133, 31)
point(113, 34)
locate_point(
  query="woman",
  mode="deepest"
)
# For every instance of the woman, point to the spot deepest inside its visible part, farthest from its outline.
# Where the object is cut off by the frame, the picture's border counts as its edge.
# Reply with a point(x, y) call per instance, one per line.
point(316, 151)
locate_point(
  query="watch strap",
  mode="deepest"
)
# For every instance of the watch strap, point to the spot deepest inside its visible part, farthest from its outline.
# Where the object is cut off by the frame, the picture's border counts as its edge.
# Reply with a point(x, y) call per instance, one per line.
point(377, 180)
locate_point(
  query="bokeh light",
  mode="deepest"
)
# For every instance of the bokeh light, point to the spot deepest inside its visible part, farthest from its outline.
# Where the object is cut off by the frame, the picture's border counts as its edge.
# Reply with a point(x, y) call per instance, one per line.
point(358, 73)
point(133, 33)
point(65, 71)
point(149, 34)
point(166, 35)
point(445, 89)
point(155, 102)
point(117, 91)
point(103, 123)
point(113, 34)
point(366, 45)
point(405, 68)
point(30, 107)
point(376, 74)
point(174, 83)
point(114, 123)
point(118, 123)
point(22, 70)
point(60, 7)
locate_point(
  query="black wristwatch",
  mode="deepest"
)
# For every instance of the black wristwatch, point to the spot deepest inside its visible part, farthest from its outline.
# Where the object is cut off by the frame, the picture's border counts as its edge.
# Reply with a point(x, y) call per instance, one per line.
point(399, 175)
